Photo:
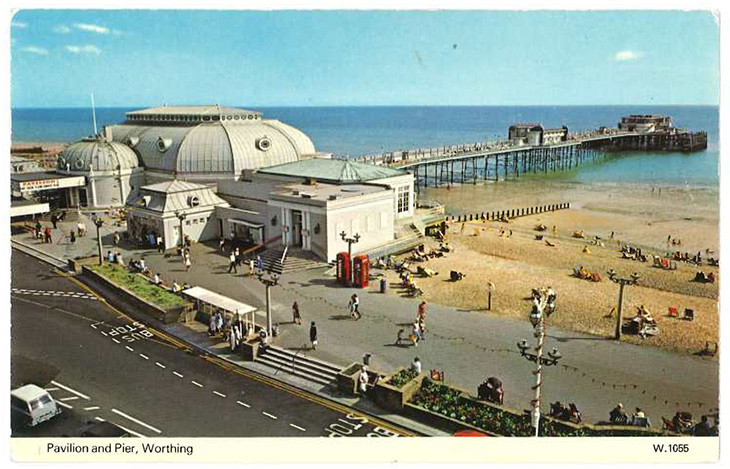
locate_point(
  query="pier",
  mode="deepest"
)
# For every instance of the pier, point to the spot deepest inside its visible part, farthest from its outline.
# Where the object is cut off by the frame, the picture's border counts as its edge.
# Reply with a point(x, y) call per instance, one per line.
point(529, 150)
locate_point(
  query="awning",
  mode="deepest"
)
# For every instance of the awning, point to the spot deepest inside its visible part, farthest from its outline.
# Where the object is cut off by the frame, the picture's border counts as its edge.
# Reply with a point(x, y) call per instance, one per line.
point(245, 223)
point(219, 301)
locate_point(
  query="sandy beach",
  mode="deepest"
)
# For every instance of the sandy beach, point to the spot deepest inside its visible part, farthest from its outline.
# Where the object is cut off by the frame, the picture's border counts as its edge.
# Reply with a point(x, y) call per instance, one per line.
point(637, 215)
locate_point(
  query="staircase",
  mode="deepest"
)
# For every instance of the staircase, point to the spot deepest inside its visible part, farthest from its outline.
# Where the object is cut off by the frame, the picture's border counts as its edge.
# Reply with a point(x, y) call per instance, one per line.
point(314, 370)
point(296, 260)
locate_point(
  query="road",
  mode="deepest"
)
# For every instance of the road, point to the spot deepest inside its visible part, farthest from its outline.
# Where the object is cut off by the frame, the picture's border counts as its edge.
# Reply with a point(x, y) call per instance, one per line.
point(101, 365)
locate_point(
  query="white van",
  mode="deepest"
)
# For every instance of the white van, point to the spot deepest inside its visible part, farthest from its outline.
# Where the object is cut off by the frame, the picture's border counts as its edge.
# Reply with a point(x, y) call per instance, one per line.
point(34, 403)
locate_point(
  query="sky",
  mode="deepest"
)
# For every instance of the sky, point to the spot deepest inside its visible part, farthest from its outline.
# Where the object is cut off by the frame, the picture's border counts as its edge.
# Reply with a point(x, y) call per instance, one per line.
point(361, 58)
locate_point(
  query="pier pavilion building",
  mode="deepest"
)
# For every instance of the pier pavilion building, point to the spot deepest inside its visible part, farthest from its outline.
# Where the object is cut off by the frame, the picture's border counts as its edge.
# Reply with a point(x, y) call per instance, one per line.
point(536, 135)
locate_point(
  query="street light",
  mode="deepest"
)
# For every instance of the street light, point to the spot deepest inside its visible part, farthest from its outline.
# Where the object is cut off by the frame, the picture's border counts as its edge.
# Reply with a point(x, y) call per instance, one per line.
point(537, 319)
point(181, 216)
point(350, 242)
point(271, 281)
point(622, 282)
point(98, 222)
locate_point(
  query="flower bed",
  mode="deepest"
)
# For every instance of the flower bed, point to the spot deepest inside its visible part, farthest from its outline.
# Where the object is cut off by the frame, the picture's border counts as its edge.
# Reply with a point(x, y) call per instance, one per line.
point(139, 286)
point(456, 406)
point(401, 378)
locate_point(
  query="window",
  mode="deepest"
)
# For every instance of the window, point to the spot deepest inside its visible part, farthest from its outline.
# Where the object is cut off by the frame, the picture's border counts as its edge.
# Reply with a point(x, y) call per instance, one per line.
point(404, 199)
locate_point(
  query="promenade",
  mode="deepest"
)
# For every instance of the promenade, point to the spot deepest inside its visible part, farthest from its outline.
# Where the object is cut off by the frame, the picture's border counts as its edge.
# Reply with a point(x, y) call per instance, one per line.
point(468, 346)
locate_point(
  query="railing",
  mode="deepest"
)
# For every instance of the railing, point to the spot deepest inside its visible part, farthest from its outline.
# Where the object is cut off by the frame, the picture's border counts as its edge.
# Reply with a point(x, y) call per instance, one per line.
point(283, 256)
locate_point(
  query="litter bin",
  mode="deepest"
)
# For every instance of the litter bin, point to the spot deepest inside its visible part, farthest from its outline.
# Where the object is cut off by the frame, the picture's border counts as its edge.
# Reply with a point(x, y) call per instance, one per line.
point(383, 285)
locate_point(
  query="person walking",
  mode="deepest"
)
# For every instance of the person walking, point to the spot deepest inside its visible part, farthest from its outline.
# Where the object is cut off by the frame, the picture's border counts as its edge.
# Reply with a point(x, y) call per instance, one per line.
point(160, 244)
point(47, 236)
point(251, 267)
point(415, 333)
point(354, 306)
point(221, 243)
point(54, 221)
point(297, 317)
point(313, 335)
point(117, 238)
point(363, 381)
point(37, 229)
point(232, 263)
point(188, 262)
point(73, 237)
point(259, 263)
point(422, 310)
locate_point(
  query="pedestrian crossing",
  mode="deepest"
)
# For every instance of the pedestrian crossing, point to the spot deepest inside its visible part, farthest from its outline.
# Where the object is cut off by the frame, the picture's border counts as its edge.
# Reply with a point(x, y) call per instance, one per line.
point(66, 294)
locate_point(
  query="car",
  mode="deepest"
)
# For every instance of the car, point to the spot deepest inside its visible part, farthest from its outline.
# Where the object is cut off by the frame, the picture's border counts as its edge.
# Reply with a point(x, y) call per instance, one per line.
point(34, 404)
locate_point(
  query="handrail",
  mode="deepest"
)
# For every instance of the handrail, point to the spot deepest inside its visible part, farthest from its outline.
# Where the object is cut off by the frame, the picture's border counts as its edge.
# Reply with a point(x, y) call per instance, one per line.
point(283, 256)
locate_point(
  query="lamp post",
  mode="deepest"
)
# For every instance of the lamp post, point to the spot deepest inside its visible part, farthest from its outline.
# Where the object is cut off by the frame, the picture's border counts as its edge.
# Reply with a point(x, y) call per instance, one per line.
point(98, 222)
point(271, 281)
point(622, 282)
point(537, 318)
point(181, 216)
point(350, 242)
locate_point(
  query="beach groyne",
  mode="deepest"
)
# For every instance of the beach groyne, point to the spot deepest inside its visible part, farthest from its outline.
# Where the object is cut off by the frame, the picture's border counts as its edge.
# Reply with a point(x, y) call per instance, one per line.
point(510, 213)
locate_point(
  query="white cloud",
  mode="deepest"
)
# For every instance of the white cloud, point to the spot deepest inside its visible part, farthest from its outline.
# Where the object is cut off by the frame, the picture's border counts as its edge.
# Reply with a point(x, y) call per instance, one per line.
point(62, 29)
point(624, 55)
point(35, 50)
point(18, 24)
point(92, 28)
point(86, 49)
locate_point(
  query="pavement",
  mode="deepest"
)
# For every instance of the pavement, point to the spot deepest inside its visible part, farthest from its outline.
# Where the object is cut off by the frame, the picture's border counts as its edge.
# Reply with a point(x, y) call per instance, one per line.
point(469, 346)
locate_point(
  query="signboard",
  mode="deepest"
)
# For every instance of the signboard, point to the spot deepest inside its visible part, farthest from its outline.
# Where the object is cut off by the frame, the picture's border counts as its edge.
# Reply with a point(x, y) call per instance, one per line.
point(53, 183)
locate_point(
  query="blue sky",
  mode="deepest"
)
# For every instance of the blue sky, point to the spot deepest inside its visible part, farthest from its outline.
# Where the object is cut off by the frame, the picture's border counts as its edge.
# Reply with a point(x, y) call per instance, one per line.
point(335, 58)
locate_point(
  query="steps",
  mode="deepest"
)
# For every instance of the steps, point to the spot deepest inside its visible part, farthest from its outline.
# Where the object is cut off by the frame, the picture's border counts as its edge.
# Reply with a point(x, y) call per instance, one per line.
point(296, 260)
point(314, 370)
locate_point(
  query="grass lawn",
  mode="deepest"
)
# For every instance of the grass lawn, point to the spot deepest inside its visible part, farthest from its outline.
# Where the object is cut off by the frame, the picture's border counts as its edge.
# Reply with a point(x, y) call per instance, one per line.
point(139, 286)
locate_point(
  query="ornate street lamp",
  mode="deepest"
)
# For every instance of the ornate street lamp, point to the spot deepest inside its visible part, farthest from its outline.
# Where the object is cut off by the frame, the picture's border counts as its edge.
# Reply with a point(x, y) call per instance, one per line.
point(622, 282)
point(271, 281)
point(98, 222)
point(537, 319)
point(350, 242)
point(181, 216)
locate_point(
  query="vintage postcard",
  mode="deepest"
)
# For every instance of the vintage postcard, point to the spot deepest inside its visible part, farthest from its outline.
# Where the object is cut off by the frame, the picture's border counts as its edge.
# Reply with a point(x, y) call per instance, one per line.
point(230, 227)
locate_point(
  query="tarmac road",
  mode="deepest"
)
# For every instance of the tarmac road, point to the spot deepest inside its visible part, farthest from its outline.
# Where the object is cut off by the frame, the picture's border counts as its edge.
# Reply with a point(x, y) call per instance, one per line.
point(100, 364)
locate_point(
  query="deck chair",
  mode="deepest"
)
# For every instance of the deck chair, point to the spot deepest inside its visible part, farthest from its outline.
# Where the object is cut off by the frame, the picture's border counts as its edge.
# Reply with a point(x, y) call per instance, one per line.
point(689, 314)
point(437, 375)
point(673, 313)
point(710, 349)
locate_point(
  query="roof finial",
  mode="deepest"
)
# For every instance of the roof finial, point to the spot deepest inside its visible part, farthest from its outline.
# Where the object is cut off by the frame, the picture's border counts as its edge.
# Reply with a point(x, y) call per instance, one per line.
point(93, 112)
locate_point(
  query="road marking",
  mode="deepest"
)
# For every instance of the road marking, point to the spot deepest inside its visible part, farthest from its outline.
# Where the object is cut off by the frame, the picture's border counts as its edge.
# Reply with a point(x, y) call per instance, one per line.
point(99, 419)
point(219, 394)
point(94, 326)
point(139, 422)
point(269, 415)
point(129, 348)
point(197, 384)
point(96, 407)
point(71, 390)
point(243, 404)
point(160, 365)
point(72, 398)
point(144, 356)
point(104, 333)
point(51, 389)
point(64, 405)
point(177, 374)
point(297, 427)
point(115, 340)
point(131, 431)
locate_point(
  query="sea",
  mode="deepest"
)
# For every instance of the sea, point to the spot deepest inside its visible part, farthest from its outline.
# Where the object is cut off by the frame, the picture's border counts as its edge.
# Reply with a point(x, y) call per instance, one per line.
point(356, 131)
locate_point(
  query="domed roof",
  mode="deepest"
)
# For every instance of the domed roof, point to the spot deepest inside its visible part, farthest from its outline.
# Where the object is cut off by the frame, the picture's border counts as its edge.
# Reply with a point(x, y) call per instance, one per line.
point(97, 155)
point(209, 142)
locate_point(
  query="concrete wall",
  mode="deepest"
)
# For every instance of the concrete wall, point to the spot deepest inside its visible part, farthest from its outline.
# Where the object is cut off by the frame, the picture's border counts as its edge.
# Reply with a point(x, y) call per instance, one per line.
point(109, 189)
point(373, 219)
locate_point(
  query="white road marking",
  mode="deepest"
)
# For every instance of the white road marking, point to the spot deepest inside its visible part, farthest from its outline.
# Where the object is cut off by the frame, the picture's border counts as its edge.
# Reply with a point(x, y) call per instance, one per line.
point(104, 333)
point(144, 356)
point(71, 390)
point(139, 422)
point(96, 407)
point(219, 394)
point(115, 340)
point(269, 415)
point(297, 427)
point(72, 398)
point(64, 405)
point(160, 365)
point(99, 419)
point(51, 389)
point(94, 327)
point(243, 404)
point(129, 348)
point(131, 431)
point(177, 374)
point(197, 384)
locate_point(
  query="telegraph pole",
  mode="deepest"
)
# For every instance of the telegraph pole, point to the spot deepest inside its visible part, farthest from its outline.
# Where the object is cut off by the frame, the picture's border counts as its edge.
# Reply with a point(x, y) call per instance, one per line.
point(622, 282)
point(98, 222)
point(271, 281)
point(350, 242)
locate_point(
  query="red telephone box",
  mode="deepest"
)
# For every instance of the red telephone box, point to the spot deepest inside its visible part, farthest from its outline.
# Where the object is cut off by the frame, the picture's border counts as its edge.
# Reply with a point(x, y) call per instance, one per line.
point(361, 271)
point(343, 268)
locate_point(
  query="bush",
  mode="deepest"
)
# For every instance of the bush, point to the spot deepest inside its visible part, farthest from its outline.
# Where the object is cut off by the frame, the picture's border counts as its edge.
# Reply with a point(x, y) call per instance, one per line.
point(139, 286)
point(400, 379)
